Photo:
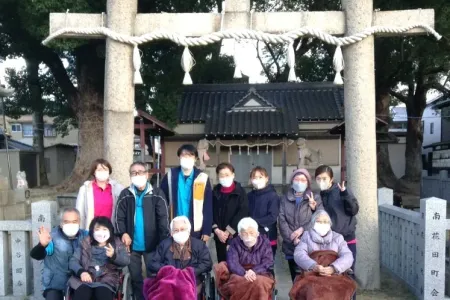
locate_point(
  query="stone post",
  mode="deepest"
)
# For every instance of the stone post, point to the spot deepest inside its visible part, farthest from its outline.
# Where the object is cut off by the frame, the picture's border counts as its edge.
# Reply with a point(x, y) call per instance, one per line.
point(433, 234)
point(21, 264)
point(119, 90)
point(5, 277)
point(359, 92)
point(43, 213)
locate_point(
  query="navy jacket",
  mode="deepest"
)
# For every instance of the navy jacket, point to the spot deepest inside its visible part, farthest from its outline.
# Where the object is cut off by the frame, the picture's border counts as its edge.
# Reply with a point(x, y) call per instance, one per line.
point(56, 273)
point(200, 258)
point(207, 204)
point(342, 208)
point(264, 206)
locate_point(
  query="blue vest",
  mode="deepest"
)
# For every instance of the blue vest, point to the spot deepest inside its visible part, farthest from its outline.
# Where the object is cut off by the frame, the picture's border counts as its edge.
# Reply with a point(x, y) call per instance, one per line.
point(56, 271)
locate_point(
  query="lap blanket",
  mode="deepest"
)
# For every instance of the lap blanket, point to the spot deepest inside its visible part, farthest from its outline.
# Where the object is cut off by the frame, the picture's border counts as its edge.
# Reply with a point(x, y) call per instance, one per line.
point(234, 287)
point(311, 286)
point(171, 284)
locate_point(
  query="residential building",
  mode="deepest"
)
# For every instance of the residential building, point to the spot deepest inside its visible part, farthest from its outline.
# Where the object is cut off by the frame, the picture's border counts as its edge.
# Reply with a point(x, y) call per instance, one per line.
point(21, 130)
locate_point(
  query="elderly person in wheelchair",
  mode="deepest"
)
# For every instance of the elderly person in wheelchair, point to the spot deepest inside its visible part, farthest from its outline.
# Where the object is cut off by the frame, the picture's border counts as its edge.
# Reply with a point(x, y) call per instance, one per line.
point(178, 266)
point(248, 272)
point(324, 259)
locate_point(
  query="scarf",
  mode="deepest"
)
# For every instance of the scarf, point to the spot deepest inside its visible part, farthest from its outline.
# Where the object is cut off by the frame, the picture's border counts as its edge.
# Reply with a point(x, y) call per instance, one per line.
point(183, 254)
point(199, 197)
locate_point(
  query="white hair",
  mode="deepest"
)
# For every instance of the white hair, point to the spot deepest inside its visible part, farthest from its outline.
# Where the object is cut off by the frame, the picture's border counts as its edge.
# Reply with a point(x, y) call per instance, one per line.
point(181, 218)
point(319, 213)
point(247, 223)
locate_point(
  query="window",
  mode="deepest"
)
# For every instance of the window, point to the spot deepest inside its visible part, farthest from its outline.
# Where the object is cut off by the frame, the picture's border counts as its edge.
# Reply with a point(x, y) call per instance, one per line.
point(27, 130)
point(431, 128)
point(49, 131)
point(16, 127)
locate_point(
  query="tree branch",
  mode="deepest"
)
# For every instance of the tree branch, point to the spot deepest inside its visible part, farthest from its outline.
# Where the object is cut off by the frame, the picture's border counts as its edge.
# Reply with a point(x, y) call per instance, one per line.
point(265, 69)
point(274, 59)
point(399, 96)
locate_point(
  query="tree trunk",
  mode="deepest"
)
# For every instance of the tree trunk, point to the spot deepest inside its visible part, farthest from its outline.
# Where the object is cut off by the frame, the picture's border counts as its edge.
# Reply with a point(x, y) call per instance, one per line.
point(89, 113)
point(386, 176)
point(38, 114)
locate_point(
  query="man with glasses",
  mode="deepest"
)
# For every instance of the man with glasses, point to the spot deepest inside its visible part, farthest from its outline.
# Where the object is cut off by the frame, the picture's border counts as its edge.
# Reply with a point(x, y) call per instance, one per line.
point(141, 222)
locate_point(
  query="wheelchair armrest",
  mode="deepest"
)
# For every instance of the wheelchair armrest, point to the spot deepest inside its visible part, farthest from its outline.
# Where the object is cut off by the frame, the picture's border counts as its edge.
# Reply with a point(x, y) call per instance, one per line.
point(349, 272)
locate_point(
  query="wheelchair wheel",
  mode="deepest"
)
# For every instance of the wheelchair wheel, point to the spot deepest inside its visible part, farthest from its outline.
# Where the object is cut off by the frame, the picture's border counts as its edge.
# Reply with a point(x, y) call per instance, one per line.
point(127, 290)
point(67, 296)
point(274, 294)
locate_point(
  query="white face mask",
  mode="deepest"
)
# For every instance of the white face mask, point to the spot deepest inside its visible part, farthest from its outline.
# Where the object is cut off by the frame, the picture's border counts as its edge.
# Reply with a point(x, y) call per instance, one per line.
point(101, 175)
point(249, 241)
point(322, 229)
point(139, 180)
point(181, 237)
point(299, 187)
point(187, 163)
point(226, 182)
point(101, 236)
point(323, 185)
point(70, 230)
point(258, 183)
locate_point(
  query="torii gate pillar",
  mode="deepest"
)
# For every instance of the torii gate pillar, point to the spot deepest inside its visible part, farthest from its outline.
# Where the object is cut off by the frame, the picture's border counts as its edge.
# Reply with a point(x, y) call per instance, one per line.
point(119, 90)
point(359, 92)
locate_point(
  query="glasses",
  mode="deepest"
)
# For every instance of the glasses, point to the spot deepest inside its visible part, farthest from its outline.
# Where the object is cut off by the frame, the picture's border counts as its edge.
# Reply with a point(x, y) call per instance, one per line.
point(138, 173)
point(301, 180)
point(179, 230)
point(322, 222)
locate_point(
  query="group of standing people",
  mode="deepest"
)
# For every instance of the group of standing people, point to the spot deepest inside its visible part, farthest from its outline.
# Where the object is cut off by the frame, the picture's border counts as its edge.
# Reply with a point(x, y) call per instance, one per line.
point(112, 226)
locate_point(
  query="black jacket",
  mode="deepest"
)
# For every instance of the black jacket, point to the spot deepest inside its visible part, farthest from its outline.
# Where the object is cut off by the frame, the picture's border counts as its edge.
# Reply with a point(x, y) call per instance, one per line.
point(342, 208)
point(264, 207)
point(200, 258)
point(229, 209)
point(156, 220)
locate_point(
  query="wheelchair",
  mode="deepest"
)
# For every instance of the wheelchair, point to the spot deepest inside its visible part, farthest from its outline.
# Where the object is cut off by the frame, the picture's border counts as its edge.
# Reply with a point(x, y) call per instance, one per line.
point(124, 292)
point(215, 292)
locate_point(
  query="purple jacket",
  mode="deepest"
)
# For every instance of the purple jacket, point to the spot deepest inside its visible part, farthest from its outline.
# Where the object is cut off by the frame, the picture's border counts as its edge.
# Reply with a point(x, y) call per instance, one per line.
point(260, 256)
point(311, 241)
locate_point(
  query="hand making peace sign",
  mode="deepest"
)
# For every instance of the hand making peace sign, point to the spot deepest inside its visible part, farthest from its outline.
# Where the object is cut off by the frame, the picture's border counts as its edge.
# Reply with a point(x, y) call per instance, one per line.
point(312, 202)
point(342, 186)
point(109, 250)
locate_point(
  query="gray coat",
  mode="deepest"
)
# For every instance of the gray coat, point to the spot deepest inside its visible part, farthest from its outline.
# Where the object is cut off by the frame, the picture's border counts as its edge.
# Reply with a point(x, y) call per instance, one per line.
point(311, 241)
point(293, 216)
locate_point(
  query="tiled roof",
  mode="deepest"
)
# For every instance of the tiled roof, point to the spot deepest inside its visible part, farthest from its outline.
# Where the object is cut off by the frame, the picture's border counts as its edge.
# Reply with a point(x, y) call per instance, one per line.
point(276, 108)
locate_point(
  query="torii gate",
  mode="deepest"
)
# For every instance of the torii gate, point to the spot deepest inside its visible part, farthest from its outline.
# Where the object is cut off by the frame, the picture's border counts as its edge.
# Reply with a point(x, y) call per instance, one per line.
point(357, 16)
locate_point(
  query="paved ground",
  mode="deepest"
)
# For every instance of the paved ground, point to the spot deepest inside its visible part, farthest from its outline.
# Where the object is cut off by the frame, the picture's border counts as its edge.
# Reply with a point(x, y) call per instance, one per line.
point(391, 288)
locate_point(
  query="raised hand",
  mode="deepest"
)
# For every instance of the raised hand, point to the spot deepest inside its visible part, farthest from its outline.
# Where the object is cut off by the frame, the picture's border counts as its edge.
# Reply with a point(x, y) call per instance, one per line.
point(342, 186)
point(109, 250)
point(44, 236)
point(312, 202)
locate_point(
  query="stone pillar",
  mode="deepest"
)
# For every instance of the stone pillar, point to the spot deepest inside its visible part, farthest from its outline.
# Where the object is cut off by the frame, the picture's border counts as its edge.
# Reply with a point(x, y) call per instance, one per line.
point(359, 92)
point(119, 90)
point(21, 264)
point(5, 277)
point(43, 213)
point(432, 266)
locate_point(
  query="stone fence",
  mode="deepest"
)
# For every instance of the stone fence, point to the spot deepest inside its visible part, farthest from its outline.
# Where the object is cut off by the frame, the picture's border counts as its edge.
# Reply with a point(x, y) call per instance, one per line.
point(412, 244)
point(436, 186)
point(16, 240)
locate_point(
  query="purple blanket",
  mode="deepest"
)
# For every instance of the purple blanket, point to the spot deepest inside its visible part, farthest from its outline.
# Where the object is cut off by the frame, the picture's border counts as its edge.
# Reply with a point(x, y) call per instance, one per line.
point(171, 284)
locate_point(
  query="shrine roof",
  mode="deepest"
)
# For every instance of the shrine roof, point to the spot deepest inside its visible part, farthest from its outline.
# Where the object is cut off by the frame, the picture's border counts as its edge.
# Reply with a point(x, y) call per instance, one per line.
point(260, 109)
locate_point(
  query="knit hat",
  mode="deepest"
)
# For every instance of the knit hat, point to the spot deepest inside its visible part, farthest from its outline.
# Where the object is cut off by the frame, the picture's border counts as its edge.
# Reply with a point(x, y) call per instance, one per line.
point(300, 171)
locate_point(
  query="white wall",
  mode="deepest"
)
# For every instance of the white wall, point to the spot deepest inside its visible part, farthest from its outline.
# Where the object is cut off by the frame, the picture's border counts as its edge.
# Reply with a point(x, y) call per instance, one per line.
point(431, 116)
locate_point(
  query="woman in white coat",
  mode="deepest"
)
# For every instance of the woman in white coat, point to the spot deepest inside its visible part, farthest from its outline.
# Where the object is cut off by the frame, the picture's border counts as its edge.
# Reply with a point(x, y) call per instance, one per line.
point(97, 197)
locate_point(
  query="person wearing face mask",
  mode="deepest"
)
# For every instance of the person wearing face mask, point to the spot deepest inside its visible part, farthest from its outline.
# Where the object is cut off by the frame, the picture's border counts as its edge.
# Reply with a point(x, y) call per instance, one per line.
point(320, 254)
point(296, 209)
point(97, 262)
point(247, 271)
point(230, 205)
point(141, 222)
point(189, 193)
point(180, 251)
point(98, 197)
point(264, 205)
point(55, 248)
point(340, 204)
